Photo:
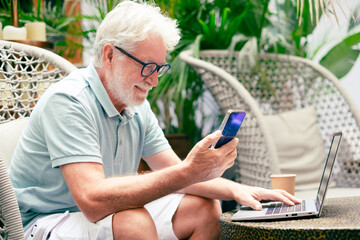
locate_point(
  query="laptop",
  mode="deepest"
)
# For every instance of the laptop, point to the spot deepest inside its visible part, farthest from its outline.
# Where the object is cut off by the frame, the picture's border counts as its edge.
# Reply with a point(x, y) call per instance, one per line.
point(307, 208)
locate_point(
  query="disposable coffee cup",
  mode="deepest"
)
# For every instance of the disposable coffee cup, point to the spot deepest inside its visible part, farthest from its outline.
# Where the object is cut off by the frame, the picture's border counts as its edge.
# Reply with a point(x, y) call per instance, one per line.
point(284, 181)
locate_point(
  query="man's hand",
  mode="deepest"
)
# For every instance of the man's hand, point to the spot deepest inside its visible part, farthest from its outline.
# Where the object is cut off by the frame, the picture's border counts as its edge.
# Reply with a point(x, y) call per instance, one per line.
point(208, 163)
point(251, 196)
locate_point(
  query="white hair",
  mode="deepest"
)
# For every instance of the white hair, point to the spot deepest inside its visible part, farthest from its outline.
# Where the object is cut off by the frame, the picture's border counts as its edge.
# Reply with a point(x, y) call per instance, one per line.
point(131, 22)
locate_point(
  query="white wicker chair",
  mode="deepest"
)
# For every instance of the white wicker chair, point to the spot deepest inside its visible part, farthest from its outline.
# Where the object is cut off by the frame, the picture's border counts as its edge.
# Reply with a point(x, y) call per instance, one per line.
point(297, 83)
point(25, 73)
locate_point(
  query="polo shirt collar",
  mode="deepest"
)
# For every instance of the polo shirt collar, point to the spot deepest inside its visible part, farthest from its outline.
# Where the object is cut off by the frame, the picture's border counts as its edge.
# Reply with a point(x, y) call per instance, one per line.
point(92, 77)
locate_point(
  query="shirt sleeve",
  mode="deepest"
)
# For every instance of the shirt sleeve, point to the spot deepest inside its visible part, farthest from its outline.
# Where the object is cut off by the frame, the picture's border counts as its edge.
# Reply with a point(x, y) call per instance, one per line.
point(70, 131)
point(155, 140)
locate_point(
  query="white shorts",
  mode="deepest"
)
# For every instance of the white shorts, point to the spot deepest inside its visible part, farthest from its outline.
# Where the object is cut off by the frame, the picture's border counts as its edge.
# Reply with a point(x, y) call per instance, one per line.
point(76, 226)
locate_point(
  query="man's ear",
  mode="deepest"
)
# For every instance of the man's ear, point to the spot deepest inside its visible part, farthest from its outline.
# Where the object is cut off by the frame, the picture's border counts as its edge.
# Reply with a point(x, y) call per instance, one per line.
point(108, 55)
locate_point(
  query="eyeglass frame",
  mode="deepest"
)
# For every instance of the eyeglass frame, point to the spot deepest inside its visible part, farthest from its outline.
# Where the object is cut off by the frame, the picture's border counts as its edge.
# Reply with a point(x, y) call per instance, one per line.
point(144, 64)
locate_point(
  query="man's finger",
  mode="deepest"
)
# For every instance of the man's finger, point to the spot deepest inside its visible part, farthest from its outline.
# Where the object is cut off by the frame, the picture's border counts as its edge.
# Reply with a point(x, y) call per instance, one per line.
point(282, 196)
point(210, 139)
point(254, 204)
point(230, 146)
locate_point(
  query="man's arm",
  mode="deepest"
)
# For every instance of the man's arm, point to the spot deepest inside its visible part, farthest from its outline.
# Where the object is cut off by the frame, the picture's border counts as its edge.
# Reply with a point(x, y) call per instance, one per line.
point(98, 196)
point(221, 188)
point(224, 189)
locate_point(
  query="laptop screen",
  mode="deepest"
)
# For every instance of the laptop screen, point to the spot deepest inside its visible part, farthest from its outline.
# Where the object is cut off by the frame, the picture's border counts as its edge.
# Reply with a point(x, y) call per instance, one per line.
point(327, 170)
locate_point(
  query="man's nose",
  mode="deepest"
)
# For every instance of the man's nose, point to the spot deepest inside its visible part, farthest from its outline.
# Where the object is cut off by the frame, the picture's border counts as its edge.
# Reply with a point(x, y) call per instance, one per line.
point(153, 79)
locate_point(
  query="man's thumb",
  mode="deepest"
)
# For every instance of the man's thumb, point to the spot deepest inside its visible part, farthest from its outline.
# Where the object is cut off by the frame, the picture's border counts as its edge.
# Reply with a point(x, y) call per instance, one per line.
point(211, 138)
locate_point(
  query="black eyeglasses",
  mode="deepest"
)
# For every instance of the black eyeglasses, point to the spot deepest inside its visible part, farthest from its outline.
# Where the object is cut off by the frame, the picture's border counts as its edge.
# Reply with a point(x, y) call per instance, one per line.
point(148, 68)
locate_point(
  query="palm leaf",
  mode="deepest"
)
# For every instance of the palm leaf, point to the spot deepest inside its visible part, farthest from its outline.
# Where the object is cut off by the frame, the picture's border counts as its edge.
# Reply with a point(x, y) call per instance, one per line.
point(340, 59)
point(324, 6)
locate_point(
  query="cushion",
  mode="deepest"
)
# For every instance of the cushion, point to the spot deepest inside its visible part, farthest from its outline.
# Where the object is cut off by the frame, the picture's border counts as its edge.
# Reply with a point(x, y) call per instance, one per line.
point(299, 145)
point(10, 133)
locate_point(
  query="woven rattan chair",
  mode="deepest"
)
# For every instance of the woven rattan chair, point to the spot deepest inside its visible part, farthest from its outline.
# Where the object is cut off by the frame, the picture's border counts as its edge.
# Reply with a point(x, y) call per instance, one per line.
point(297, 83)
point(25, 73)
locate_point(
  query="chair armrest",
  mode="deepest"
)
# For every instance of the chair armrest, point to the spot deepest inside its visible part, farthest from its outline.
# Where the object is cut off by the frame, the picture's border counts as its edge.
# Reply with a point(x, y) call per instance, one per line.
point(9, 207)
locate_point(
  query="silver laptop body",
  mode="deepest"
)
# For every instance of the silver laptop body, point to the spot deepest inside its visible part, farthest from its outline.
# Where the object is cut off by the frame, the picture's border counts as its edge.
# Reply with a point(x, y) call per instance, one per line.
point(308, 207)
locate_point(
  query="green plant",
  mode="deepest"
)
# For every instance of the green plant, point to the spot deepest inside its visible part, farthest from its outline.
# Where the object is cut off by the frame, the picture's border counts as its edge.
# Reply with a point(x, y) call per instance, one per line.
point(180, 91)
point(339, 59)
point(251, 26)
point(60, 20)
point(289, 26)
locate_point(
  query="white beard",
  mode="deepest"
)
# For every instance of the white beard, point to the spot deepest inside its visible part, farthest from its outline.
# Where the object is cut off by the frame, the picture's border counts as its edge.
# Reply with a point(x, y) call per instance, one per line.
point(123, 91)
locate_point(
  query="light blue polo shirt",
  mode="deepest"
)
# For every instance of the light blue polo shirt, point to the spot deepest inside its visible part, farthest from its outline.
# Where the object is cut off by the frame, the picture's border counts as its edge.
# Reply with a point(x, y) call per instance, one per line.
point(75, 121)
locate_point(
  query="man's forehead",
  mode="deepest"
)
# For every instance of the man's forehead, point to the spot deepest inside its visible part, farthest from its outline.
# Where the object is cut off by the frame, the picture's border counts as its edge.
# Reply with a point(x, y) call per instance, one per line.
point(150, 49)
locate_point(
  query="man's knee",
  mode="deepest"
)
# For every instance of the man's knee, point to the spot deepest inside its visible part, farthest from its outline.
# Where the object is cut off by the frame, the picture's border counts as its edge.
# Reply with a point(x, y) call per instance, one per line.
point(197, 217)
point(133, 224)
point(209, 207)
point(194, 205)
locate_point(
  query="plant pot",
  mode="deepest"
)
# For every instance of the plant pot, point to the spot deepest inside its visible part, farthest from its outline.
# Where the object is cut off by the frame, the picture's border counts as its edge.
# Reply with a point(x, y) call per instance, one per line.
point(180, 143)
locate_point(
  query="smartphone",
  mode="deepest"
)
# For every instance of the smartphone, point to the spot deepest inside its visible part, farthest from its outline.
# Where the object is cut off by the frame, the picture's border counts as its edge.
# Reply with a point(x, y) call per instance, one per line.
point(230, 126)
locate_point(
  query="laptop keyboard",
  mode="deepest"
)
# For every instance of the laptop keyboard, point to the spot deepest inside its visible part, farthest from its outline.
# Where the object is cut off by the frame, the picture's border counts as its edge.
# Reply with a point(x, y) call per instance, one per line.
point(276, 208)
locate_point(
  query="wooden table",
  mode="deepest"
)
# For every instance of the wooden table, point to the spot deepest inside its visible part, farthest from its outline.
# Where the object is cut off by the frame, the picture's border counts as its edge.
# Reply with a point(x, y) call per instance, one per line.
point(340, 219)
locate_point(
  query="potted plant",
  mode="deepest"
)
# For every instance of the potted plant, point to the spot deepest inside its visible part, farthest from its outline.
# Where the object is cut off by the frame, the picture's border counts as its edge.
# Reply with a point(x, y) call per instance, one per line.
point(61, 19)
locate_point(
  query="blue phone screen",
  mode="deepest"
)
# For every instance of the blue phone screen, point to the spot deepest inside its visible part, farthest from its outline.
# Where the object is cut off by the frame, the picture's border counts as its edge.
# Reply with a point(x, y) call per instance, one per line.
point(231, 128)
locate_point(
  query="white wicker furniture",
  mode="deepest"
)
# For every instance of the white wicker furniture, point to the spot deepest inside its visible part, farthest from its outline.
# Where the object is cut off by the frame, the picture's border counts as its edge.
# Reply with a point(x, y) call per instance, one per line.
point(297, 83)
point(25, 73)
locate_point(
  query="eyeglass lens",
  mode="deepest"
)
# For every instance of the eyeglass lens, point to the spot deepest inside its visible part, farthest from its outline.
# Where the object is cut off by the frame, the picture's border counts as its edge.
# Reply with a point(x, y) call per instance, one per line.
point(152, 67)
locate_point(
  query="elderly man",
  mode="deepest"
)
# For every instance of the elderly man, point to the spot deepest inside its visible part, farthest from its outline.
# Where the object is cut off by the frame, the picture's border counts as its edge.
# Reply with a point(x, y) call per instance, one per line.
point(74, 170)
